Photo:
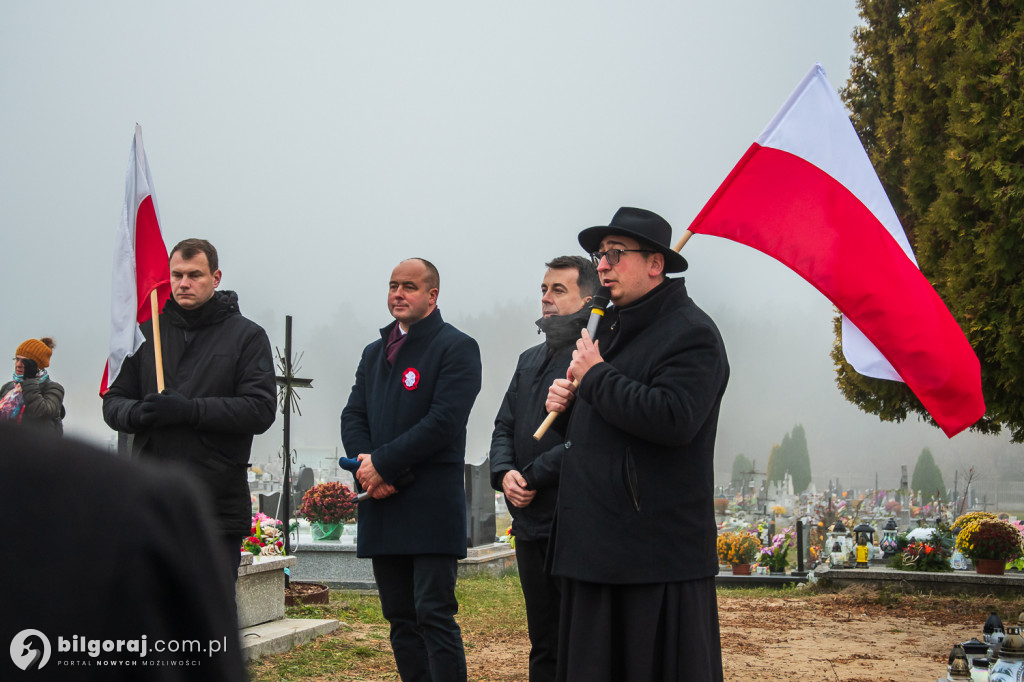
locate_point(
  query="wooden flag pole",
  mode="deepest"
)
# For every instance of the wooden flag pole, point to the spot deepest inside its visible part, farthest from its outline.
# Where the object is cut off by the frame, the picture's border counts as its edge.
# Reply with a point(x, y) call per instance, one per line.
point(682, 241)
point(549, 420)
point(154, 306)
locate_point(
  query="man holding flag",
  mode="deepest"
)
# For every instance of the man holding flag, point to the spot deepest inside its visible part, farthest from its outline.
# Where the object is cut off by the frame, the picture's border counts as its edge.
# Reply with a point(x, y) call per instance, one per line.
point(634, 533)
point(219, 373)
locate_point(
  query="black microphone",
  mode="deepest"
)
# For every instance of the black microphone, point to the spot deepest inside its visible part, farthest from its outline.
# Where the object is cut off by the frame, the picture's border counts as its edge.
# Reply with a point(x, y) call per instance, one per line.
point(599, 303)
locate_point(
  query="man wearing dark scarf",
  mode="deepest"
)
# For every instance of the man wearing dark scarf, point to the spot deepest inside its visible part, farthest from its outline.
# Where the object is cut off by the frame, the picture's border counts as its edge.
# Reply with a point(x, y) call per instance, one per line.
point(527, 470)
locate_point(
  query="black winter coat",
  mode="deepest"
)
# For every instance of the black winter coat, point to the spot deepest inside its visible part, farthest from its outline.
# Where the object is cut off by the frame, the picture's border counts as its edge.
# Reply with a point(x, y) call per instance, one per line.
point(412, 417)
point(636, 493)
point(522, 411)
point(222, 361)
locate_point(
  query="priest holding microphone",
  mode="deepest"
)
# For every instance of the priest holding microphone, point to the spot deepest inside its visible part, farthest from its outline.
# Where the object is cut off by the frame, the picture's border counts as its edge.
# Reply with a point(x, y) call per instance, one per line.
point(634, 531)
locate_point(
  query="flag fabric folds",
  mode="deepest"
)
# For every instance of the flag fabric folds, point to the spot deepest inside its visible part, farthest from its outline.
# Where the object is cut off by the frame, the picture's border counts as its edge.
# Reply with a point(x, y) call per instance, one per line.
point(140, 263)
point(806, 194)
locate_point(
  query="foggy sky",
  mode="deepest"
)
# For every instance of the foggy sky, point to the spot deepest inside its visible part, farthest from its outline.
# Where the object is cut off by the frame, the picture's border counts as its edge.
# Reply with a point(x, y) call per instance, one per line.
point(316, 144)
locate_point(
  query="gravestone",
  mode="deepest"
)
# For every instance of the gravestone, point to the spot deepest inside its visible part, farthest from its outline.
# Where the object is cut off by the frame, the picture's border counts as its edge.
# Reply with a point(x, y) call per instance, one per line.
point(259, 596)
point(271, 504)
point(479, 505)
point(304, 482)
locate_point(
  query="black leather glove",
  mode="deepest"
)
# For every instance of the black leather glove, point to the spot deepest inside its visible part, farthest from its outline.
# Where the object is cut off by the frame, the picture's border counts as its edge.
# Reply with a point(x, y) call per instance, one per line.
point(31, 369)
point(169, 408)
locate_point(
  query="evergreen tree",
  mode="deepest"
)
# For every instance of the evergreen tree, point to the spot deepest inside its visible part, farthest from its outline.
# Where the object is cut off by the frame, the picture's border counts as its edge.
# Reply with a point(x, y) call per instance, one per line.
point(936, 92)
point(792, 456)
point(927, 476)
point(778, 460)
point(800, 460)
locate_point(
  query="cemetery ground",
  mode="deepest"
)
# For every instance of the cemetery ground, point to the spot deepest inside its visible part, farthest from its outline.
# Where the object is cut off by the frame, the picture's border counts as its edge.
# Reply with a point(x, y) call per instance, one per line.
point(767, 634)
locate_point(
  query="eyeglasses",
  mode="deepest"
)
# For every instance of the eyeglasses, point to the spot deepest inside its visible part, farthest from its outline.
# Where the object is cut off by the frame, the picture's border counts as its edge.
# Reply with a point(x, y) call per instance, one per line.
point(613, 255)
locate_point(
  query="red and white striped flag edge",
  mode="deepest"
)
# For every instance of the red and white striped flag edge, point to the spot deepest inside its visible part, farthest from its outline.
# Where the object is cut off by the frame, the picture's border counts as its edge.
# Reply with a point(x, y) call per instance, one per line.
point(806, 194)
point(140, 263)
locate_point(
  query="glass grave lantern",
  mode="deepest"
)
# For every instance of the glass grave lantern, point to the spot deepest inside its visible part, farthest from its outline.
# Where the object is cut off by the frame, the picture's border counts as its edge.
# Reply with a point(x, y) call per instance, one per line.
point(888, 542)
point(1010, 666)
point(958, 668)
point(837, 533)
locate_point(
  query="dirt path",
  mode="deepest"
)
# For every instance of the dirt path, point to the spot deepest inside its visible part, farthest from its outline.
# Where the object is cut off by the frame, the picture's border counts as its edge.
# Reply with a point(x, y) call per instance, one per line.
point(844, 637)
point(852, 636)
point(835, 638)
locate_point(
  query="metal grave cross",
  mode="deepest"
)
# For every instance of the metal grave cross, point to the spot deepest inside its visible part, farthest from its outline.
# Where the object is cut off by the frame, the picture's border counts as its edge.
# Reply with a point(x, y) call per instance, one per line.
point(287, 383)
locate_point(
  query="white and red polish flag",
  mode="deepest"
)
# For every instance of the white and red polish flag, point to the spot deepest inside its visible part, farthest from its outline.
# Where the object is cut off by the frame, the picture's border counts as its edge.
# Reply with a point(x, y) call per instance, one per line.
point(140, 263)
point(806, 194)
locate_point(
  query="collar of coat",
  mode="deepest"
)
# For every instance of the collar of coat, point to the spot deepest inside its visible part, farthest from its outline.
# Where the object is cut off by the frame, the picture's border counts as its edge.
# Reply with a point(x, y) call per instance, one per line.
point(649, 308)
point(223, 305)
point(561, 331)
point(428, 326)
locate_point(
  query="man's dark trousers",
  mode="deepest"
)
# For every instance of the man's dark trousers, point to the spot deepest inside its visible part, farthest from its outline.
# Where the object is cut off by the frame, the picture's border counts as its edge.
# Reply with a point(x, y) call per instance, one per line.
point(417, 596)
point(542, 597)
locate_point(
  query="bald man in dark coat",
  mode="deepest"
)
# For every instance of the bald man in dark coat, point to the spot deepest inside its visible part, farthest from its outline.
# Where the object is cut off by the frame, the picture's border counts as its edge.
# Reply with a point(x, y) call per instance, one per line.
point(406, 422)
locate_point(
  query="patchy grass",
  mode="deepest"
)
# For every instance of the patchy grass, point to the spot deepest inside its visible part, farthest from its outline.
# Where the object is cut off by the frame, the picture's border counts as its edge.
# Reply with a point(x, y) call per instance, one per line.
point(491, 614)
point(358, 647)
point(767, 592)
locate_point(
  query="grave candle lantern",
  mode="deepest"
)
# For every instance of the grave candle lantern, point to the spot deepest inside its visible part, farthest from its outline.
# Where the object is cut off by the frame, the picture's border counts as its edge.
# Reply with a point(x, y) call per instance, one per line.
point(1010, 666)
point(837, 535)
point(888, 542)
point(959, 668)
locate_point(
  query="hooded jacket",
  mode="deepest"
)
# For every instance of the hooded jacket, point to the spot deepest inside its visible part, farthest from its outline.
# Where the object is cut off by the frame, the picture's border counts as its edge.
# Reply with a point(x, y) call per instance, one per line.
point(522, 411)
point(222, 361)
point(636, 493)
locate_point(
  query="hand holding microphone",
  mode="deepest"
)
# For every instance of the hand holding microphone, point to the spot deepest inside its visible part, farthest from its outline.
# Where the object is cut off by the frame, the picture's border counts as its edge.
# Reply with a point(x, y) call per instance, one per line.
point(584, 357)
point(563, 391)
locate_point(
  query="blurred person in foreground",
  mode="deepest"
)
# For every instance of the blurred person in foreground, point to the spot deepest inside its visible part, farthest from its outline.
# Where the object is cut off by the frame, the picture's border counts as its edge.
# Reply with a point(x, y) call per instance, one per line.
point(115, 551)
point(525, 469)
point(634, 533)
point(220, 391)
point(406, 422)
point(32, 397)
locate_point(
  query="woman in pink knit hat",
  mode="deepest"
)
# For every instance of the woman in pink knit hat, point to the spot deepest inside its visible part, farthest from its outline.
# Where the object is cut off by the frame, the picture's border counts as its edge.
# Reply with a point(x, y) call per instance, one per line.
point(33, 398)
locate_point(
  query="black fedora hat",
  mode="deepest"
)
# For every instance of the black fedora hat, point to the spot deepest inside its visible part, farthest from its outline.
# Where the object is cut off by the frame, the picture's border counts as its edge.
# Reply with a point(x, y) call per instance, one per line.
point(646, 227)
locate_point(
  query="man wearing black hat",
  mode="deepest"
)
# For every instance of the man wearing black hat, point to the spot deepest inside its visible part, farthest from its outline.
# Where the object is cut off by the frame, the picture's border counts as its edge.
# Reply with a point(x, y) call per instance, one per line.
point(634, 533)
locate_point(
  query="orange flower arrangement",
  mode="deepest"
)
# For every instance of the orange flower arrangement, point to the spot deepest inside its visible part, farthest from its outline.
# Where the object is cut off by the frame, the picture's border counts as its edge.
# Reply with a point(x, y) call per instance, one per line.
point(737, 548)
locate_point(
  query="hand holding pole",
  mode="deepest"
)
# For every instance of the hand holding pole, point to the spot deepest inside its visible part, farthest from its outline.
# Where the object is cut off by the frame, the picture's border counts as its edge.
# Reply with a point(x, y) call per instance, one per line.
point(600, 302)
